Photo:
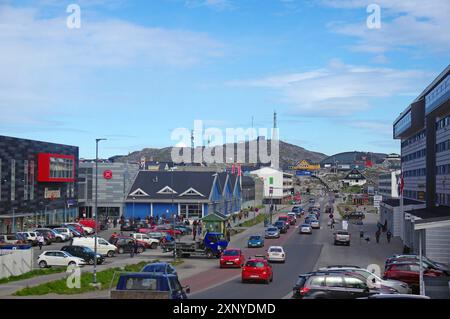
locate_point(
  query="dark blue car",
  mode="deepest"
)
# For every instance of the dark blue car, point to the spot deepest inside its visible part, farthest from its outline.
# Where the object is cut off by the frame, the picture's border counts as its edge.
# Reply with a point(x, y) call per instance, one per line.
point(164, 268)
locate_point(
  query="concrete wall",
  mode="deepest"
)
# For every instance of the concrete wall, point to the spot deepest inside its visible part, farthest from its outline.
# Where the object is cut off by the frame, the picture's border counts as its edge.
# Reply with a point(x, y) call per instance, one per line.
point(15, 262)
point(437, 245)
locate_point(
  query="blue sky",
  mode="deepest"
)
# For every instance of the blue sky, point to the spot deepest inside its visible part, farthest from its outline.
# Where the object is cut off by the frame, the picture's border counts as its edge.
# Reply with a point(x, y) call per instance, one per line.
point(136, 70)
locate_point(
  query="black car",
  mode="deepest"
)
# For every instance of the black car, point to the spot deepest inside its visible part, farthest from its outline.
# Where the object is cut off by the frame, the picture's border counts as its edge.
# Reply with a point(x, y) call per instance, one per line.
point(281, 225)
point(334, 285)
point(356, 215)
point(123, 245)
point(85, 253)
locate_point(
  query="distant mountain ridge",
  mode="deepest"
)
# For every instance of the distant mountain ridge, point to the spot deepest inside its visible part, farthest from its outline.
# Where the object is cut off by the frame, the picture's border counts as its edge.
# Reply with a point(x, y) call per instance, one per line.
point(290, 154)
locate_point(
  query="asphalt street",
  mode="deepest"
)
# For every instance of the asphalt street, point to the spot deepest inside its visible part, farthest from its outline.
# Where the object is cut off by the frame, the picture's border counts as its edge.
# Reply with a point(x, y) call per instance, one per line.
point(302, 253)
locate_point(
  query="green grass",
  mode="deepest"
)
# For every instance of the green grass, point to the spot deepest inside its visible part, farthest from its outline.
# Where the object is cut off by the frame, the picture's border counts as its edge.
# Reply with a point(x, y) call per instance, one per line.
point(104, 277)
point(254, 221)
point(32, 274)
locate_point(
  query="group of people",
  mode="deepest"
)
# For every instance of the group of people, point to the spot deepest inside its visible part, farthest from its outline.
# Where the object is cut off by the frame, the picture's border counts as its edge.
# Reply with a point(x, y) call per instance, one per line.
point(197, 228)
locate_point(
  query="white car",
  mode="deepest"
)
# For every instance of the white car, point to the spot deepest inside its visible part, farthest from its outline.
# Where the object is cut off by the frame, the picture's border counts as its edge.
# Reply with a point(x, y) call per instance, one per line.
point(315, 224)
point(276, 253)
point(103, 247)
point(58, 258)
point(30, 236)
point(305, 229)
point(146, 239)
point(64, 231)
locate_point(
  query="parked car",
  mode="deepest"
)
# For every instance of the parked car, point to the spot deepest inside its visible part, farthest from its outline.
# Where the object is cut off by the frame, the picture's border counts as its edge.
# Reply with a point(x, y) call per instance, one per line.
point(281, 225)
point(232, 258)
point(87, 254)
point(103, 247)
point(74, 231)
point(147, 240)
point(430, 263)
point(342, 237)
point(396, 296)
point(257, 269)
point(156, 235)
point(123, 245)
point(333, 285)
point(49, 235)
point(77, 227)
point(305, 229)
point(51, 258)
point(371, 278)
point(255, 241)
point(65, 231)
point(276, 253)
point(89, 225)
point(12, 239)
point(161, 267)
point(356, 215)
point(272, 232)
point(30, 237)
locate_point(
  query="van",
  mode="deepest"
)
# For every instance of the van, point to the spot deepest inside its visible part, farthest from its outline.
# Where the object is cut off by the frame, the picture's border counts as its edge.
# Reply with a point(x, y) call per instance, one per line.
point(103, 247)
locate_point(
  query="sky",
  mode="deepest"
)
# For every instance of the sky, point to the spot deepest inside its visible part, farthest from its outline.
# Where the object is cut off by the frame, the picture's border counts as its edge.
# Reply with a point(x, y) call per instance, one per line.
point(136, 70)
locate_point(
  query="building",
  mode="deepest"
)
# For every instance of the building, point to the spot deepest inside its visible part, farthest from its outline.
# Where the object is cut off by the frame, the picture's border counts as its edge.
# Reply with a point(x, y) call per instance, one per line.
point(37, 183)
point(278, 185)
point(348, 161)
point(423, 128)
point(391, 215)
point(392, 162)
point(305, 165)
point(252, 191)
point(114, 181)
point(354, 178)
point(192, 195)
point(388, 184)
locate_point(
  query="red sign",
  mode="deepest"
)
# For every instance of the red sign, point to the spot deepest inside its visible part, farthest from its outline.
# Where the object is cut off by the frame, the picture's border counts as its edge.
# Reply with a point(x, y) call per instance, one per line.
point(107, 174)
point(49, 168)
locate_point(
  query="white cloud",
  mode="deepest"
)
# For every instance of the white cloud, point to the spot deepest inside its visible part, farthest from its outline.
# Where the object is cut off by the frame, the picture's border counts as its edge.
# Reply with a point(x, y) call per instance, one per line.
point(43, 63)
point(420, 24)
point(339, 89)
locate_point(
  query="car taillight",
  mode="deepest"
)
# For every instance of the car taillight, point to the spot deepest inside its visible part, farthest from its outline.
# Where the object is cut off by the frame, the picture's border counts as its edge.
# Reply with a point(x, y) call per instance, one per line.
point(303, 291)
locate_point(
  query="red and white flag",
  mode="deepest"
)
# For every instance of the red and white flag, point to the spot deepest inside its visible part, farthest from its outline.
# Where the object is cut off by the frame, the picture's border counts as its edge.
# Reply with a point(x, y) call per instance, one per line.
point(232, 169)
point(239, 170)
point(401, 185)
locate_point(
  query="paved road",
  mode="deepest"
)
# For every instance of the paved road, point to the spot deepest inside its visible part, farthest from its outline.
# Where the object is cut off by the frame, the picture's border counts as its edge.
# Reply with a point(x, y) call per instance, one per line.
point(302, 252)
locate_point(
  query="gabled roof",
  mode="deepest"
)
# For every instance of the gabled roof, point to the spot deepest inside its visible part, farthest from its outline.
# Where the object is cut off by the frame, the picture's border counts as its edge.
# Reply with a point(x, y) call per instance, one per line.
point(353, 173)
point(152, 182)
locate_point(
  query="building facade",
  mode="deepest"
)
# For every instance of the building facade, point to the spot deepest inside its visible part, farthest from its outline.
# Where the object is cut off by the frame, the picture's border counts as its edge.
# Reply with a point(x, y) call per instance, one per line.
point(388, 184)
point(425, 150)
point(192, 195)
point(114, 182)
point(278, 185)
point(37, 183)
point(354, 178)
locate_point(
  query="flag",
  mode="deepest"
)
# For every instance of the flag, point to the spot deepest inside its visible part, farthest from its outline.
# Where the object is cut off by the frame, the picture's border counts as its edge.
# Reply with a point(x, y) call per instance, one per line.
point(369, 163)
point(401, 185)
point(239, 170)
point(232, 169)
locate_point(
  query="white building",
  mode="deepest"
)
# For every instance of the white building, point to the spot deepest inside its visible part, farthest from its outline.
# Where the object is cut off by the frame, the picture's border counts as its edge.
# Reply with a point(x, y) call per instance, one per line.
point(281, 184)
point(354, 178)
point(388, 184)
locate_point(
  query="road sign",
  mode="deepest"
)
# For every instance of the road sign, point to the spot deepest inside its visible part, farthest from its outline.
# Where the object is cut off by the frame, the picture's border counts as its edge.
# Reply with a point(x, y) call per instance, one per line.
point(107, 174)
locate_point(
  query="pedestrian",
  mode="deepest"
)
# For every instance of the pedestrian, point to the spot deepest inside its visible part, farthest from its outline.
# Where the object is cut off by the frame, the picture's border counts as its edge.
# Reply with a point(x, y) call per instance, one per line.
point(194, 230)
point(388, 236)
point(234, 218)
point(228, 234)
point(332, 223)
point(368, 239)
point(199, 227)
point(377, 236)
point(114, 222)
point(131, 247)
point(40, 239)
point(135, 246)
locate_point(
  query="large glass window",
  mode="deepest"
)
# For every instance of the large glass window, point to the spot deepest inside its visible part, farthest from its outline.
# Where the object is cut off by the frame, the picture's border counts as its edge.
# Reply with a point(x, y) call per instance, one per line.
point(191, 210)
point(61, 167)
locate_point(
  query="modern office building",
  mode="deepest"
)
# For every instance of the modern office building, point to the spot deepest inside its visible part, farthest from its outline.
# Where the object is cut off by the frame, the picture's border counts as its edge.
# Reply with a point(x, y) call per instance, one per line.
point(388, 184)
point(114, 181)
point(189, 194)
point(37, 183)
point(423, 128)
point(278, 185)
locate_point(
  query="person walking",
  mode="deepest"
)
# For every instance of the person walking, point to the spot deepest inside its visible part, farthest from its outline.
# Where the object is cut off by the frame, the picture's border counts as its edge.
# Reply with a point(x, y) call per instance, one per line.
point(40, 239)
point(332, 223)
point(131, 247)
point(228, 234)
point(388, 236)
point(199, 227)
point(194, 229)
point(377, 236)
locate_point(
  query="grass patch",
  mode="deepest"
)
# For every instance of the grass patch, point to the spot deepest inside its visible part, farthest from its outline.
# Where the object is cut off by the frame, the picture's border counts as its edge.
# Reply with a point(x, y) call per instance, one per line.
point(254, 221)
point(104, 277)
point(32, 274)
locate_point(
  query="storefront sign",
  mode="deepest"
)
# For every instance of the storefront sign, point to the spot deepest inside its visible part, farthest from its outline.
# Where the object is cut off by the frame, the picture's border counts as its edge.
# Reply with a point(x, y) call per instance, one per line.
point(52, 193)
point(107, 174)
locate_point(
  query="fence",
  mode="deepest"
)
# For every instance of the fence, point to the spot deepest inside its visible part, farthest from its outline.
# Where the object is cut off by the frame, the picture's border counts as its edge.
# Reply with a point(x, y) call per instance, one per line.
point(15, 262)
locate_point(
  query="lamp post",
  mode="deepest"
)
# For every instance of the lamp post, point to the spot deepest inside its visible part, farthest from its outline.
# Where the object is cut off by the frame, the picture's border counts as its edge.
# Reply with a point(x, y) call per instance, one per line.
point(96, 202)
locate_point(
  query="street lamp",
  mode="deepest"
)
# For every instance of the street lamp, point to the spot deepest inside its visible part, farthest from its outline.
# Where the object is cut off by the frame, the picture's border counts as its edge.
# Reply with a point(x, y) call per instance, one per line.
point(96, 215)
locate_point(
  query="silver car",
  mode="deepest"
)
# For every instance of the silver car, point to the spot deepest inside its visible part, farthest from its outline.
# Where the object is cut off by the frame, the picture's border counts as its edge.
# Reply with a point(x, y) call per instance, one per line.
point(272, 232)
point(374, 280)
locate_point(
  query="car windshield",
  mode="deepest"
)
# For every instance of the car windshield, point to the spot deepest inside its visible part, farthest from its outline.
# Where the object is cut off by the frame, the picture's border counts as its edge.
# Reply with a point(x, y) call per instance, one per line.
point(254, 264)
point(276, 250)
point(255, 237)
point(231, 253)
point(279, 223)
point(305, 225)
point(272, 229)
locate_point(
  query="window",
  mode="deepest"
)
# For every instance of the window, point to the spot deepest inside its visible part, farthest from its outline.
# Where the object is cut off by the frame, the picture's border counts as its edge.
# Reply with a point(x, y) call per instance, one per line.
point(141, 284)
point(334, 281)
point(354, 283)
point(61, 167)
point(318, 281)
point(26, 173)
point(31, 167)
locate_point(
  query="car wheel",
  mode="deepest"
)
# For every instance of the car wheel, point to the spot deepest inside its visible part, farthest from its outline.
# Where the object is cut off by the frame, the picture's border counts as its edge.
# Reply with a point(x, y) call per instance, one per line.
point(91, 261)
point(154, 245)
point(271, 278)
point(209, 254)
point(140, 250)
point(111, 253)
point(72, 263)
point(58, 240)
point(335, 242)
point(267, 281)
point(120, 250)
point(243, 281)
point(43, 264)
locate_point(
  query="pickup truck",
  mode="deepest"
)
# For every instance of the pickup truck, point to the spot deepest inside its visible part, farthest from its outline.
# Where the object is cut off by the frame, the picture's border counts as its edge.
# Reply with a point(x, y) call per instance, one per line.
point(211, 245)
point(342, 237)
point(149, 285)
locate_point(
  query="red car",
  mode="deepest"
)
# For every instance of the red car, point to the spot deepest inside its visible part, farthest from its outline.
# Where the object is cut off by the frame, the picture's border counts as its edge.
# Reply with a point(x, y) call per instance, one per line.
point(232, 258)
point(167, 229)
point(257, 269)
point(292, 220)
point(88, 223)
point(409, 272)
